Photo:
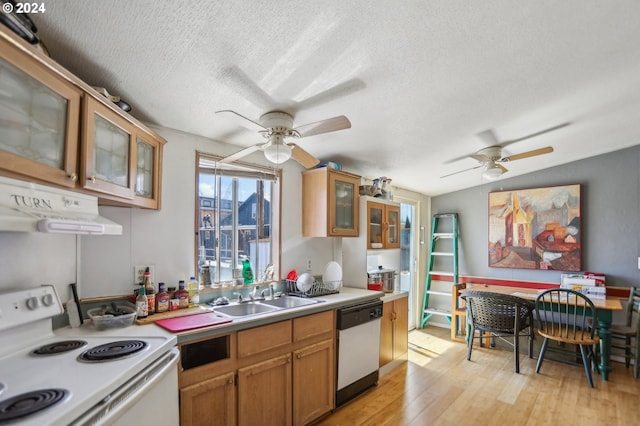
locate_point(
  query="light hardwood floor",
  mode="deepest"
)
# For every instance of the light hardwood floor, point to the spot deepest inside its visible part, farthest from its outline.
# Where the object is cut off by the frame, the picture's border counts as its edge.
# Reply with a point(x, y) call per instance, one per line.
point(438, 386)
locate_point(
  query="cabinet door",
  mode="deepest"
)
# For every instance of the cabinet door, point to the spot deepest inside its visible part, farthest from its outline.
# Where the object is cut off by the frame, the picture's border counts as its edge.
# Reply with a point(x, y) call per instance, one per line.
point(313, 382)
point(375, 225)
point(148, 162)
point(39, 120)
point(264, 393)
point(343, 205)
point(386, 334)
point(211, 402)
point(107, 151)
point(392, 226)
point(400, 327)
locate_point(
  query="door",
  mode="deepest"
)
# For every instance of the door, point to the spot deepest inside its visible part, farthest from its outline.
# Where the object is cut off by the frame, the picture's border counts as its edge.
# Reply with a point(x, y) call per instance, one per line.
point(313, 382)
point(408, 255)
point(211, 402)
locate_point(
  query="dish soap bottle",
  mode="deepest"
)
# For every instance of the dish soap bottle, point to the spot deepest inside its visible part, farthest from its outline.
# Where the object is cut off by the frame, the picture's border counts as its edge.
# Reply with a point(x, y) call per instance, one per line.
point(142, 303)
point(247, 272)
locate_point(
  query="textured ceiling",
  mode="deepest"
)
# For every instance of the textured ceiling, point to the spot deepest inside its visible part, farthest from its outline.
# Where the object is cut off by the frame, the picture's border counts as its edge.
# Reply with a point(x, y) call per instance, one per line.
point(418, 79)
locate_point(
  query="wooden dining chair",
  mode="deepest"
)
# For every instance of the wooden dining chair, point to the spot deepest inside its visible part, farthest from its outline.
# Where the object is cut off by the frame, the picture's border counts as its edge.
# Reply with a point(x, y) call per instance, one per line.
point(629, 332)
point(565, 316)
point(501, 315)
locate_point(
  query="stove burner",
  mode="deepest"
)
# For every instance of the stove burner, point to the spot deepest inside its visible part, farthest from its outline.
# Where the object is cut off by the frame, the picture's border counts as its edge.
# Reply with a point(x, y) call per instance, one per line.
point(2, 387)
point(29, 403)
point(59, 347)
point(113, 350)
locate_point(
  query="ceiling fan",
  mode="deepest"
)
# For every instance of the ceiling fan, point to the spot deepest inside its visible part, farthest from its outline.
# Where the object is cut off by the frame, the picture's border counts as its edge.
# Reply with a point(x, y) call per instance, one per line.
point(491, 157)
point(275, 126)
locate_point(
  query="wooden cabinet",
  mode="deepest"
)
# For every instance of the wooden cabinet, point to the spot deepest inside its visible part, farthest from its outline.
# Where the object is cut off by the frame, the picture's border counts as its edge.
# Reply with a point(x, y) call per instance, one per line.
point(383, 225)
point(329, 203)
point(394, 331)
point(209, 403)
point(39, 120)
point(285, 374)
point(264, 392)
point(56, 129)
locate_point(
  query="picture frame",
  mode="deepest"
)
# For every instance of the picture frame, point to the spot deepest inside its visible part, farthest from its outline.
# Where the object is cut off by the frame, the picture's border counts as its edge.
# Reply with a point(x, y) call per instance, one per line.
point(536, 228)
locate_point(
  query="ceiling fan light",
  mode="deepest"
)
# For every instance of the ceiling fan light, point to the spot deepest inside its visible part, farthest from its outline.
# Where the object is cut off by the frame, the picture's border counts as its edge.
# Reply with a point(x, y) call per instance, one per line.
point(277, 153)
point(492, 173)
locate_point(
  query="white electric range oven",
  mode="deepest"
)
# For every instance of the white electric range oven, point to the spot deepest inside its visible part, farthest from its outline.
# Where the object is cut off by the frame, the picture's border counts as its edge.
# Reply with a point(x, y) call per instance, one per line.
point(80, 376)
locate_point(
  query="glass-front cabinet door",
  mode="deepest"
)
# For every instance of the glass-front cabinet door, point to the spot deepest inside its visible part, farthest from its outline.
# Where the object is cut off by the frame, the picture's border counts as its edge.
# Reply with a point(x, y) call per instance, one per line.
point(343, 205)
point(392, 233)
point(147, 182)
point(375, 215)
point(107, 151)
point(39, 120)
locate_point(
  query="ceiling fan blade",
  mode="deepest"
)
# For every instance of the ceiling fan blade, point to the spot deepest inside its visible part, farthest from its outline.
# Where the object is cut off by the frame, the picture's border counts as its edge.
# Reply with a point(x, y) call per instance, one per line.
point(503, 168)
point(488, 137)
point(481, 158)
point(240, 120)
point(303, 157)
point(460, 171)
point(532, 135)
point(242, 153)
point(325, 126)
point(528, 154)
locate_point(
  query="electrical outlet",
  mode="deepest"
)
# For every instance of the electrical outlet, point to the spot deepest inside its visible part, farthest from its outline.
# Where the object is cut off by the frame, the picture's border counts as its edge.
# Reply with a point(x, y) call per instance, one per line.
point(308, 264)
point(138, 272)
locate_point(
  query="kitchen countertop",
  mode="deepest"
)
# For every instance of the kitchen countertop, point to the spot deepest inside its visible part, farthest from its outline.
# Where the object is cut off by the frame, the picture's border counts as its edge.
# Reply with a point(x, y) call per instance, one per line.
point(347, 296)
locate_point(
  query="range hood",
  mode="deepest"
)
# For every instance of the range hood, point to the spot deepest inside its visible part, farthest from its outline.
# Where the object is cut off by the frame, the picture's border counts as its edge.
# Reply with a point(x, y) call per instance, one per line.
point(29, 207)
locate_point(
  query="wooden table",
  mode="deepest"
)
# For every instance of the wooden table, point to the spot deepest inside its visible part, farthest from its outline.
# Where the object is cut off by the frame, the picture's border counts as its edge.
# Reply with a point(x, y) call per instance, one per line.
point(604, 314)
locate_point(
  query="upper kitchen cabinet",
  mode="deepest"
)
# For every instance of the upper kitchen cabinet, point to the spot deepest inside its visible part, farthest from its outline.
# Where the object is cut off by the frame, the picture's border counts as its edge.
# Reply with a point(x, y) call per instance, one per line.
point(57, 129)
point(119, 159)
point(329, 203)
point(383, 225)
point(39, 120)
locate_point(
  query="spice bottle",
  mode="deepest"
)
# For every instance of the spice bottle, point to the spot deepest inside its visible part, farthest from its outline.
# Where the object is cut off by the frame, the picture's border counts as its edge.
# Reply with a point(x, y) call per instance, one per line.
point(162, 299)
point(182, 295)
point(142, 303)
point(150, 291)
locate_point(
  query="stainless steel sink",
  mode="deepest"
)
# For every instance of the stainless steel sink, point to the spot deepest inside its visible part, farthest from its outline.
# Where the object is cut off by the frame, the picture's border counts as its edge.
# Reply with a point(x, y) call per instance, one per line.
point(289, 302)
point(244, 309)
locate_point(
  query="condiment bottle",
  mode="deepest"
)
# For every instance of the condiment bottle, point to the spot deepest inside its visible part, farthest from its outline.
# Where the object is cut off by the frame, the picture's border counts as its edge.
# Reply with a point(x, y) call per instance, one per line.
point(142, 303)
point(193, 288)
point(247, 272)
point(162, 299)
point(182, 295)
point(150, 291)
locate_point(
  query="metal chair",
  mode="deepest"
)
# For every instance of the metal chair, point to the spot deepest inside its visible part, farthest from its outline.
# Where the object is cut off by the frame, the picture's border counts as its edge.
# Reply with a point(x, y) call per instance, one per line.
point(501, 315)
point(630, 331)
point(565, 317)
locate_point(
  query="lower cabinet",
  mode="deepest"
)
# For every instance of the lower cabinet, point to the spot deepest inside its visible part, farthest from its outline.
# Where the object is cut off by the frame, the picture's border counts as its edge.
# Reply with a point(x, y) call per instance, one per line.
point(277, 374)
point(210, 402)
point(394, 338)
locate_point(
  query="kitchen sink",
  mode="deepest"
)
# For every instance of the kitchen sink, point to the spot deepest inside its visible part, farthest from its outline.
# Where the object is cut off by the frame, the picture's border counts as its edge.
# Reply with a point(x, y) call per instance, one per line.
point(244, 309)
point(289, 302)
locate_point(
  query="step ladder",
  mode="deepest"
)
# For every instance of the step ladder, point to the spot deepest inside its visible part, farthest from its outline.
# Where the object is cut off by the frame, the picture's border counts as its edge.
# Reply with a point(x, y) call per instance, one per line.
point(437, 251)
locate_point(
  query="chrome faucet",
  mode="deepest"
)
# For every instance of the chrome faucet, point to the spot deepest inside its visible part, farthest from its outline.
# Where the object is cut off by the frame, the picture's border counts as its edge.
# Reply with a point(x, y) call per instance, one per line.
point(239, 296)
point(253, 293)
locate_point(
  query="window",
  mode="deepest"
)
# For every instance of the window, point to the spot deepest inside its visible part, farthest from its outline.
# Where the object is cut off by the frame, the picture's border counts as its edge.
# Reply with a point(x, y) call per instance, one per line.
point(237, 215)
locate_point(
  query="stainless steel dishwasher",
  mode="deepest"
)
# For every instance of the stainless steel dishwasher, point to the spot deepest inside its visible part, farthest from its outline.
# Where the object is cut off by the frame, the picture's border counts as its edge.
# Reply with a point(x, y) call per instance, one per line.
point(358, 349)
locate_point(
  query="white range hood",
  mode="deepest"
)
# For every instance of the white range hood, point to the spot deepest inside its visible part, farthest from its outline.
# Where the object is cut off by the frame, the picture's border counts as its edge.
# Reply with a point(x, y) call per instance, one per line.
point(29, 207)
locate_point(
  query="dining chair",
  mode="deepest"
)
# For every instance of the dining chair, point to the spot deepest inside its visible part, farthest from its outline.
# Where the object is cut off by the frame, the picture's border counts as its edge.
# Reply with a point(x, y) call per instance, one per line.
point(629, 332)
point(565, 316)
point(502, 316)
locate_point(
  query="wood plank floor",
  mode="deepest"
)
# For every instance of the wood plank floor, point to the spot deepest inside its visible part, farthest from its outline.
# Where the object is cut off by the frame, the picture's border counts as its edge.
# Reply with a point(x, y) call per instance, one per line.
point(438, 386)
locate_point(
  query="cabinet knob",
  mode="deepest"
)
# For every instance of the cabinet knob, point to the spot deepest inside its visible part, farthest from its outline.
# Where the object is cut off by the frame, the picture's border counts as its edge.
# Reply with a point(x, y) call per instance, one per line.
point(299, 356)
point(73, 176)
point(230, 381)
point(92, 179)
point(288, 360)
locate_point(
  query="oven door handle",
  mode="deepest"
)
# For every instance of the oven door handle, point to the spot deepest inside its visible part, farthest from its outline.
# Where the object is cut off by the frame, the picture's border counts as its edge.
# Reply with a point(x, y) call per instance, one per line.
point(112, 406)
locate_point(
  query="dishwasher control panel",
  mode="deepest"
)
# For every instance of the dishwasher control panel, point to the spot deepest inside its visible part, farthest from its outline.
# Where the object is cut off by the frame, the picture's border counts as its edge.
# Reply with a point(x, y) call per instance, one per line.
point(355, 315)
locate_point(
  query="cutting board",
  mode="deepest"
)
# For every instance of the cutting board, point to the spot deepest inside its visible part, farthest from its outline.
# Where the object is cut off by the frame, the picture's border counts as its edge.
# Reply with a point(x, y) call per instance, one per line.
point(192, 321)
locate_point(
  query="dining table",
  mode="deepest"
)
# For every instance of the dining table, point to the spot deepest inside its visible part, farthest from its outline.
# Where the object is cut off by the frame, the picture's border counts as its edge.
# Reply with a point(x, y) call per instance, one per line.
point(604, 315)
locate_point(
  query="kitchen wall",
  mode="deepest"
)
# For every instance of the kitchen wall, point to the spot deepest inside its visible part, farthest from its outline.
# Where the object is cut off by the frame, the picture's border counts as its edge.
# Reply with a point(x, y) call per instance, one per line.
point(610, 217)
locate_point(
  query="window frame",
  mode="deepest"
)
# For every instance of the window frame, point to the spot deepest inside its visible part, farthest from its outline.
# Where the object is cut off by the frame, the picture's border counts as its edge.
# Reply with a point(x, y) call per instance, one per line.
point(239, 169)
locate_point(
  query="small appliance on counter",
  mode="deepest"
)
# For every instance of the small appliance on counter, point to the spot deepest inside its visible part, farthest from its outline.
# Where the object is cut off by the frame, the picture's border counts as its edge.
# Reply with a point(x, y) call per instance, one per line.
point(381, 279)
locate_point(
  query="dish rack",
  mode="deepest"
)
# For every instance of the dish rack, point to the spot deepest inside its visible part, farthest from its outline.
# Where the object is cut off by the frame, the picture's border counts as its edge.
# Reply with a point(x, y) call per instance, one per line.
point(318, 288)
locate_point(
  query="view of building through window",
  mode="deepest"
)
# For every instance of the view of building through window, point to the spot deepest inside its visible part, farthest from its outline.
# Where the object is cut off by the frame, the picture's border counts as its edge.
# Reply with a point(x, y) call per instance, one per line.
point(235, 213)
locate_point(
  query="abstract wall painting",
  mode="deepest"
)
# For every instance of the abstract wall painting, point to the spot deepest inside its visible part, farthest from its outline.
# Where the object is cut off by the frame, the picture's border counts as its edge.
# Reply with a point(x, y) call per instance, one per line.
point(537, 228)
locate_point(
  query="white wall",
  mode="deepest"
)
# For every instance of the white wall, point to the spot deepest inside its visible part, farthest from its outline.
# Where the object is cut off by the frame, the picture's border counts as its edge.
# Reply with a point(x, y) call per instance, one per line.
point(164, 238)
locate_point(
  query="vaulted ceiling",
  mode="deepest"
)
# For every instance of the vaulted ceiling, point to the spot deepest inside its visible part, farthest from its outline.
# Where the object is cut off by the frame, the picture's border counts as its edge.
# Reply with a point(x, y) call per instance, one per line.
point(418, 79)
